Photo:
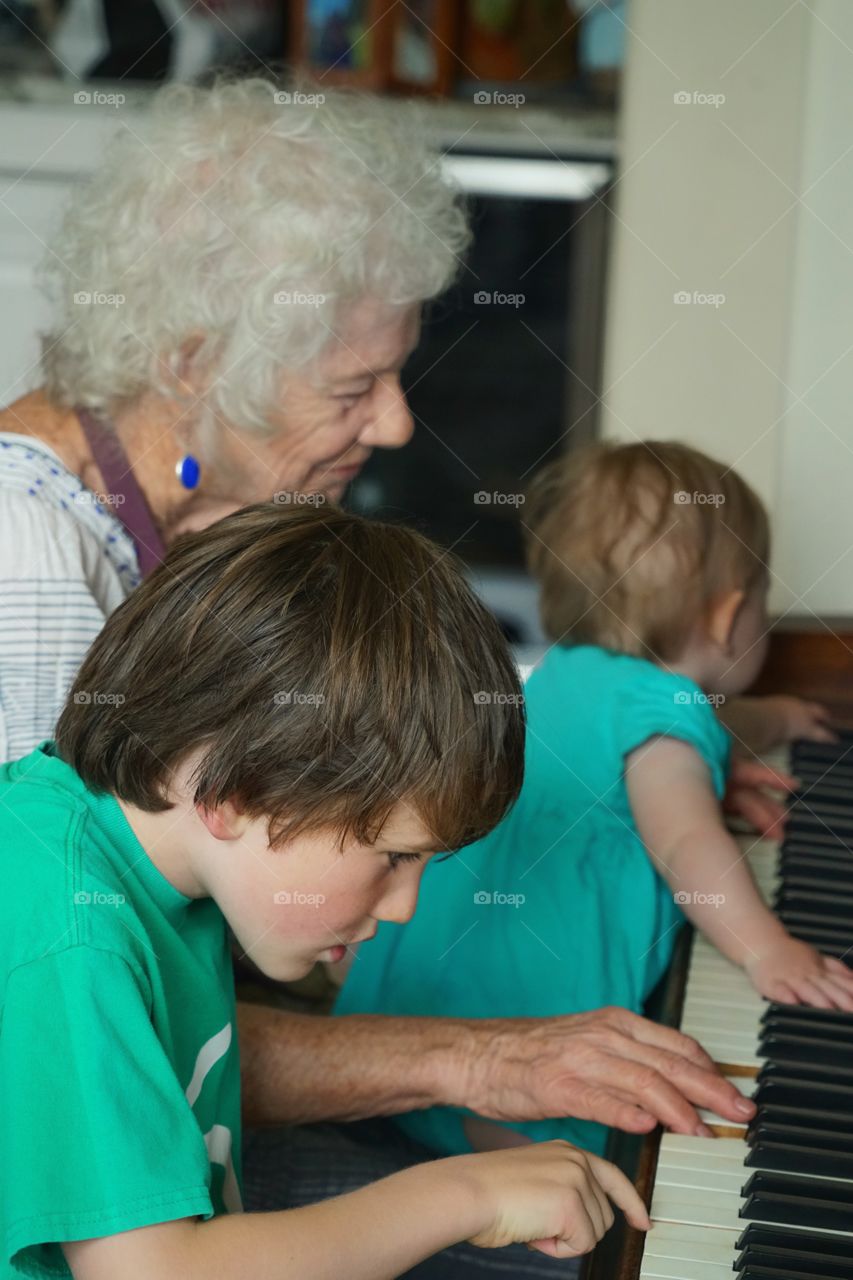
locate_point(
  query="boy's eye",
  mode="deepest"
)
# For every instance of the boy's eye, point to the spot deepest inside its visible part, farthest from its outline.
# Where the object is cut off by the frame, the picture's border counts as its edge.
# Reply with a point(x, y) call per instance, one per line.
point(394, 859)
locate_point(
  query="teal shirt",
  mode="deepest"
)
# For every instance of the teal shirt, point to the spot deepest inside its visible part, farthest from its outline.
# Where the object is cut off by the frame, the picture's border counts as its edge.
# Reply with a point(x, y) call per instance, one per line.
point(559, 909)
point(119, 1068)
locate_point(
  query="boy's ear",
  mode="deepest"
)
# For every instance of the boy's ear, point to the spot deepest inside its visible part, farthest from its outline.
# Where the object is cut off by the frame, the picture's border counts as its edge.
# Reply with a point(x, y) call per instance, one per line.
point(224, 821)
point(722, 615)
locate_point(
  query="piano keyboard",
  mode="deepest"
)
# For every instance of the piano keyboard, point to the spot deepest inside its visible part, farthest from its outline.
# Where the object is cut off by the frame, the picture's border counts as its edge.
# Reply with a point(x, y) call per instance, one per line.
point(772, 1200)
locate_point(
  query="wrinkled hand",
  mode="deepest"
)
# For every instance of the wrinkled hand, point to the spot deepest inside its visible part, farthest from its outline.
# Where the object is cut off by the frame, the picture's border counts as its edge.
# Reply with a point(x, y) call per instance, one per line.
point(608, 1065)
point(747, 796)
point(792, 972)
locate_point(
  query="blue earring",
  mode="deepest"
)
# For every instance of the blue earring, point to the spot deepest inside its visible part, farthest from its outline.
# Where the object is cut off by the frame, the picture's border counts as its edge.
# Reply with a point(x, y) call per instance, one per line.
point(188, 471)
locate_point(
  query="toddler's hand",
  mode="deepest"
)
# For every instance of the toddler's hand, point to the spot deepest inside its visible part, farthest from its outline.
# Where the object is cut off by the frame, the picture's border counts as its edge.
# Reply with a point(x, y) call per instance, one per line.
point(798, 718)
point(792, 972)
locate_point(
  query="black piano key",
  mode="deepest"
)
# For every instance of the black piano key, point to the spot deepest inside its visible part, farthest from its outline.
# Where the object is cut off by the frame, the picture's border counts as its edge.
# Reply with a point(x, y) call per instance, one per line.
point(825, 940)
point(805, 1096)
point(802, 1017)
point(829, 904)
point(833, 942)
point(783, 1047)
point(825, 1125)
point(821, 841)
point(816, 773)
point(806, 1120)
point(804, 1075)
point(809, 1202)
point(806, 821)
point(831, 752)
point(814, 813)
point(771, 1124)
point(834, 928)
point(806, 1260)
point(757, 1235)
point(792, 1157)
point(839, 1033)
point(798, 877)
point(812, 915)
point(782, 1271)
point(817, 866)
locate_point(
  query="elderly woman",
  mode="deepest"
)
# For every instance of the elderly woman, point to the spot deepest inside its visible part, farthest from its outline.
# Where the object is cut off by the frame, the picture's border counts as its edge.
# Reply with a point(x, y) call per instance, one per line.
point(237, 292)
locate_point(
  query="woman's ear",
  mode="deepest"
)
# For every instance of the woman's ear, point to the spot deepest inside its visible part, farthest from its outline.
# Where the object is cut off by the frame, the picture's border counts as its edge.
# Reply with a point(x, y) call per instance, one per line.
point(722, 615)
point(224, 821)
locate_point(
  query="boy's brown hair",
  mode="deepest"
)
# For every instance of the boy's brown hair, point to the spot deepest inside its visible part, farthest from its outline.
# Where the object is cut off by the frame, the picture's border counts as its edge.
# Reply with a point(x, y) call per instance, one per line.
point(631, 544)
point(325, 665)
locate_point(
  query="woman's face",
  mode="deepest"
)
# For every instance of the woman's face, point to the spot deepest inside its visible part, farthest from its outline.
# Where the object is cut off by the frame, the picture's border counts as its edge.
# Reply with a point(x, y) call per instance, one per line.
point(334, 413)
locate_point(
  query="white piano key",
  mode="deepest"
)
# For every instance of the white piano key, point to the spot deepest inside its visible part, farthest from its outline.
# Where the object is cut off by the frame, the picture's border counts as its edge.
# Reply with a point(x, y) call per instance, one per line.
point(678, 1241)
point(732, 1150)
point(689, 1205)
point(654, 1268)
point(715, 1175)
point(697, 1190)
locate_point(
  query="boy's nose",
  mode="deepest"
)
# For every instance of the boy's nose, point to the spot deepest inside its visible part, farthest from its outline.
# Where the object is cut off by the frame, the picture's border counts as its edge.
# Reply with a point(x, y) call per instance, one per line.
point(398, 907)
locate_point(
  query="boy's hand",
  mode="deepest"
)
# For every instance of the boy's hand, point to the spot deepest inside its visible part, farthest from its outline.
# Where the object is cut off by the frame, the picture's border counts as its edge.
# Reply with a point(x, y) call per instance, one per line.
point(792, 972)
point(550, 1196)
point(797, 718)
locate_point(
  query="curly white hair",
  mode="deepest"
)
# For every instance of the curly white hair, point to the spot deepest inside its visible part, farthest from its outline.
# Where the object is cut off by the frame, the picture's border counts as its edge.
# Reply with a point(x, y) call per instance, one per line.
point(236, 226)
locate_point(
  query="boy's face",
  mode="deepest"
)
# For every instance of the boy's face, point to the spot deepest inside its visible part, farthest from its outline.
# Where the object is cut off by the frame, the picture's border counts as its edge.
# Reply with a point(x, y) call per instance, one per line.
point(308, 900)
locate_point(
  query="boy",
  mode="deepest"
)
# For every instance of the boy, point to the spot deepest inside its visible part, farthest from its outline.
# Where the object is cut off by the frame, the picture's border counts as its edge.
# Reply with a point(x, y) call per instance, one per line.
point(273, 733)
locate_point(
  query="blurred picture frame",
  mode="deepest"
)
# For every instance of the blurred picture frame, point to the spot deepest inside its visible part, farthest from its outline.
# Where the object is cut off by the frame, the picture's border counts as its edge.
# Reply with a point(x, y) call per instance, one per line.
point(404, 46)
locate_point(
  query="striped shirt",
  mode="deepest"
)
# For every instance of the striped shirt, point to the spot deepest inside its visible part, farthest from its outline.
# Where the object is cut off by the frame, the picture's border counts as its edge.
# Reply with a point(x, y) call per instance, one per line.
point(65, 563)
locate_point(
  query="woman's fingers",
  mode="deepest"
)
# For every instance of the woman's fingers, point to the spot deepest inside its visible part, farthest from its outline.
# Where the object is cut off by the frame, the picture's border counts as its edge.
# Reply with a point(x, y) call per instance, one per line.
point(643, 1031)
point(666, 1081)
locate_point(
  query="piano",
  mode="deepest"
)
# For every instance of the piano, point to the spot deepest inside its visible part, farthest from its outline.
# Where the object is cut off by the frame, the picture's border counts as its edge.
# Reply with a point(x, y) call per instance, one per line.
point(771, 1200)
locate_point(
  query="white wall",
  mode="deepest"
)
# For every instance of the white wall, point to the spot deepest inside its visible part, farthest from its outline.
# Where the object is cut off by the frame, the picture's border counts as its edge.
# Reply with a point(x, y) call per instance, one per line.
point(719, 199)
point(815, 497)
point(44, 150)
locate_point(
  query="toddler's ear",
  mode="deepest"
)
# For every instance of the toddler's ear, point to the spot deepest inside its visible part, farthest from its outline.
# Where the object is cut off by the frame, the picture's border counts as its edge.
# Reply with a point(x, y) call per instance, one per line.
point(722, 615)
point(224, 821)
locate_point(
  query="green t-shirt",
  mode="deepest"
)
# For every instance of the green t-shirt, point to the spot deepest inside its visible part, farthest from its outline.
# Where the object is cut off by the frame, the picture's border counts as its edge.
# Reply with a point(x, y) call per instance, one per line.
point(119, 1066)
